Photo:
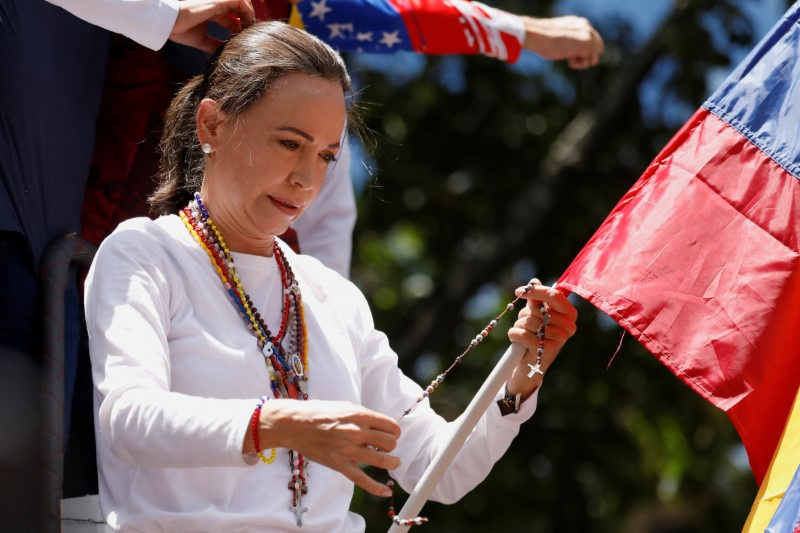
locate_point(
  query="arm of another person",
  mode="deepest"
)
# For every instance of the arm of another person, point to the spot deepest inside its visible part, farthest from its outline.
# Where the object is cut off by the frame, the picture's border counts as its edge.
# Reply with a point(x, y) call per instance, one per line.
point(151, 22)
point(450, 27)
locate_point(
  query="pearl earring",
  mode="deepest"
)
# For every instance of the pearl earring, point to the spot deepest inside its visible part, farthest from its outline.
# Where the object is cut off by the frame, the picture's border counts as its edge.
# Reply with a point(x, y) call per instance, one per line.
point(207, 148)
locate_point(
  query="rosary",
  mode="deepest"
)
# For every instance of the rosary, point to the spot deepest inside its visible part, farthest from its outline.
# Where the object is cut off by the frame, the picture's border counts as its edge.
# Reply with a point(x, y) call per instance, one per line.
point(535, 368)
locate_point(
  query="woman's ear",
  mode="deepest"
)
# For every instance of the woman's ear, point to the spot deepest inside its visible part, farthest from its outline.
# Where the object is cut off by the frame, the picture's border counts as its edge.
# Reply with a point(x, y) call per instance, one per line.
point(209, 117)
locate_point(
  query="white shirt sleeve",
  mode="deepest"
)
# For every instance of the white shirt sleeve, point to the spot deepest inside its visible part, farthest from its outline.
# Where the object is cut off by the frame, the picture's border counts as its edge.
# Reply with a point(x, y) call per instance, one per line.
point(424, 433)
point(325, 230)
point(140, 419)
point(148, 22)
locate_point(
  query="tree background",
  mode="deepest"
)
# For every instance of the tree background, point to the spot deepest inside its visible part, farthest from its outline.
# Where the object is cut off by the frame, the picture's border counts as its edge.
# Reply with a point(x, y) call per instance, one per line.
point(486, 175)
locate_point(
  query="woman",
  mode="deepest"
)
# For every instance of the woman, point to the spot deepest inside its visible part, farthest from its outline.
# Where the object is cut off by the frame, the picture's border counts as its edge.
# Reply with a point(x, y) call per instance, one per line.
point(195, 316)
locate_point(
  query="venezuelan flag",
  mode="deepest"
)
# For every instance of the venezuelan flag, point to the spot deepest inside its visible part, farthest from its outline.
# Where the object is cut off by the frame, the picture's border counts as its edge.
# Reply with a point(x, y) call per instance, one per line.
point(700, 260)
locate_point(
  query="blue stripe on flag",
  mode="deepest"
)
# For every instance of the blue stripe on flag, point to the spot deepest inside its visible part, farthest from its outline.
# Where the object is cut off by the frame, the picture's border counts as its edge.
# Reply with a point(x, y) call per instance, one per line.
point(787, 516)
point(356, 25)
point(761, 98)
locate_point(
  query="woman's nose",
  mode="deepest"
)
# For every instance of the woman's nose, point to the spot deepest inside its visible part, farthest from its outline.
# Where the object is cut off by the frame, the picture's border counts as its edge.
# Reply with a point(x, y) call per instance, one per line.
point(306, 173)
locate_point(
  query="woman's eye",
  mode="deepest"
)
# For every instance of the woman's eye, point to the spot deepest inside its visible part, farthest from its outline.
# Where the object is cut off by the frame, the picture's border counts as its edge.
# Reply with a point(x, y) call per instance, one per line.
point(291, 145)
point(329, 158)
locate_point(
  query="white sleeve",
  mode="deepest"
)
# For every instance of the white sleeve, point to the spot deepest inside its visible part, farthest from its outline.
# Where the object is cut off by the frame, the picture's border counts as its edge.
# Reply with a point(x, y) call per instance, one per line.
point(148, 22)
point(325, 230)
point(140, 420)
point(424, 432)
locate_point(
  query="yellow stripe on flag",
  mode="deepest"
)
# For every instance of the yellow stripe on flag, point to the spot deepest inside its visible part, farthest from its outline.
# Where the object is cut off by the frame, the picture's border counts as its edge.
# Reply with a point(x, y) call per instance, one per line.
point(295, 19)
point(781, 469)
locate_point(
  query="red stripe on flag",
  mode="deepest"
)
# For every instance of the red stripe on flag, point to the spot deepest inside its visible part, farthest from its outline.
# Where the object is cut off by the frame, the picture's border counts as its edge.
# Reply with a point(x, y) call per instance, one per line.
point(435, 27)
point(699, 261)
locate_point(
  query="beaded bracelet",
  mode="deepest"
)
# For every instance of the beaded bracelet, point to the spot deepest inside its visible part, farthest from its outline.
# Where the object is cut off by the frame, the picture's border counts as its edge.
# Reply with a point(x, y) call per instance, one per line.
point(254, 427)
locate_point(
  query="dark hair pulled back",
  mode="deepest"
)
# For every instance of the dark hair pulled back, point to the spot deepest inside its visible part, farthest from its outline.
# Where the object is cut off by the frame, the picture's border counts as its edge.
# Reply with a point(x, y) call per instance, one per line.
point(237, 76)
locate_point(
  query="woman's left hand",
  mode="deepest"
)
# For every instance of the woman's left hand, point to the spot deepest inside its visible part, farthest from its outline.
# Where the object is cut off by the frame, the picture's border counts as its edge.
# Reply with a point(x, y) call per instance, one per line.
point(525, 378)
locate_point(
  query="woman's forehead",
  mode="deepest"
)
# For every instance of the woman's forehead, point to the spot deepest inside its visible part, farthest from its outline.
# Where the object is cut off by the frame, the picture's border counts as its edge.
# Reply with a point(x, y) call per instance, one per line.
point(302, 101)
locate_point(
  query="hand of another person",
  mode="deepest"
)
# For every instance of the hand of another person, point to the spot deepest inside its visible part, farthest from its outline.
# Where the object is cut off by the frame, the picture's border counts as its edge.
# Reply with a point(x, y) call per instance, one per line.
point(191, 26)
point(560, 328)
point(339, 435)
point(571, 38)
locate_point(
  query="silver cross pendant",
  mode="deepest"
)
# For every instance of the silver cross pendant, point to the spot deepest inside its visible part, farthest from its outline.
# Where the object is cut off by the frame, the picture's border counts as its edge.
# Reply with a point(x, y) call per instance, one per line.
point(535, 369)
point(298, 511)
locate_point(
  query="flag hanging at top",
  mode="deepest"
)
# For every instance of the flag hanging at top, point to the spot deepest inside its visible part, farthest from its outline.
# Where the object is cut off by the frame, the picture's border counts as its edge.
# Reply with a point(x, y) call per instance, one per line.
point(699, 260)
point(423, 26)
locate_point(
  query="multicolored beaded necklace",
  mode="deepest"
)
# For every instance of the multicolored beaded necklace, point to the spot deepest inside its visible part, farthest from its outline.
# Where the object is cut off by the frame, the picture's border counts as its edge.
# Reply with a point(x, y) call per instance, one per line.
point(287, 367)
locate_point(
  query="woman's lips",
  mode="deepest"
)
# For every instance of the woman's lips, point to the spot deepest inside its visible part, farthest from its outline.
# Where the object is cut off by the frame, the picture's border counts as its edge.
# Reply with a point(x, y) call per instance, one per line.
point(284, 206)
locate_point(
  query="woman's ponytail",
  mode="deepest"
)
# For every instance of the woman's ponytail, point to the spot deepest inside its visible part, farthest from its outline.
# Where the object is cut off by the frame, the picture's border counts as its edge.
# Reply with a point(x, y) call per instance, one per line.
point(182, 161)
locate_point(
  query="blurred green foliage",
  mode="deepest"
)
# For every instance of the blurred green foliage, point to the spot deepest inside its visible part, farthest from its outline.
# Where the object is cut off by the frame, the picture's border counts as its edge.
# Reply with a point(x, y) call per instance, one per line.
point(480, 182)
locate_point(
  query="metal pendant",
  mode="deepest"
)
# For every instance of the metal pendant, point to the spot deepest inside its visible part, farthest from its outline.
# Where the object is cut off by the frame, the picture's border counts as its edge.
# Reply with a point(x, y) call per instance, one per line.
point(297, 365)
point(267, 350)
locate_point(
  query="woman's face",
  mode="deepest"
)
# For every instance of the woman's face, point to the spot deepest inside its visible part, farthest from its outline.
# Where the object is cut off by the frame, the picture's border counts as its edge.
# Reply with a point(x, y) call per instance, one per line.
point(269, 163)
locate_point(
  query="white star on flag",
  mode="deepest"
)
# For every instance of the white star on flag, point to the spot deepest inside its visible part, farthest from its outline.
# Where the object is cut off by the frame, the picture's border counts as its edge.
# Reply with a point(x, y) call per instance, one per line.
point(366, 36)
point(336, 31)
point(319, 10)
point(390, 39)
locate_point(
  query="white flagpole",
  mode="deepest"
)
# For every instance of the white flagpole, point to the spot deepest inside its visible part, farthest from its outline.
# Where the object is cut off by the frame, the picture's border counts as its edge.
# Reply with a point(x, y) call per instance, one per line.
point(479, 404)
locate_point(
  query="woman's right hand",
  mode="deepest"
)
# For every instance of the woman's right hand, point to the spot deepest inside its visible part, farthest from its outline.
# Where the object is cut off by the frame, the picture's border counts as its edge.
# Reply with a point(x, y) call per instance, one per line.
point(339, 435)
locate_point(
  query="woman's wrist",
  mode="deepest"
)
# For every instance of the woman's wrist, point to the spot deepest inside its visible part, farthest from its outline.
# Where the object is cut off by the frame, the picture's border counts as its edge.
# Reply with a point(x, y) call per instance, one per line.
point(520, 383)
point(261, 434)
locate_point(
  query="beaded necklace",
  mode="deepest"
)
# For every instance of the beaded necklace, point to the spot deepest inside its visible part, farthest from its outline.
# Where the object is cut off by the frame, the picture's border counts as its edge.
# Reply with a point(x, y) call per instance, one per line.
point(287, 368)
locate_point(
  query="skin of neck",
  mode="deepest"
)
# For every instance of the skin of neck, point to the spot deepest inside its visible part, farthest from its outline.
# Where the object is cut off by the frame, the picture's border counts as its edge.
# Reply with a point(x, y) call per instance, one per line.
point(239, 233)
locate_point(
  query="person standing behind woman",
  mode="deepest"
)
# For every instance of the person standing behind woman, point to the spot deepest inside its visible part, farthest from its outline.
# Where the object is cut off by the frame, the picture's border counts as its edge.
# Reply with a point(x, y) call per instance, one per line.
point(213, 345)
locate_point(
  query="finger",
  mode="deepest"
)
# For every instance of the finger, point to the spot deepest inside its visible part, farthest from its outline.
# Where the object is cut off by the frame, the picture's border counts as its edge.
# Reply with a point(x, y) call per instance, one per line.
point(531, 341)
point(192, 13)
point(381, 440)
point(229, 22)
point(555, 299)
point(558, 331)
point(555, 318)
point(352, 472)
point(533, 322)
point(246, 12)
point(372, 457)
point(378, 422)
point(520, 291)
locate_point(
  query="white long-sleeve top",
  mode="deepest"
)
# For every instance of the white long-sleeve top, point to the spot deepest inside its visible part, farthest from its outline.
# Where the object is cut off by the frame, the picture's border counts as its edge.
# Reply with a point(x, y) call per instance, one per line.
point(177, 376)
point(148, 22)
